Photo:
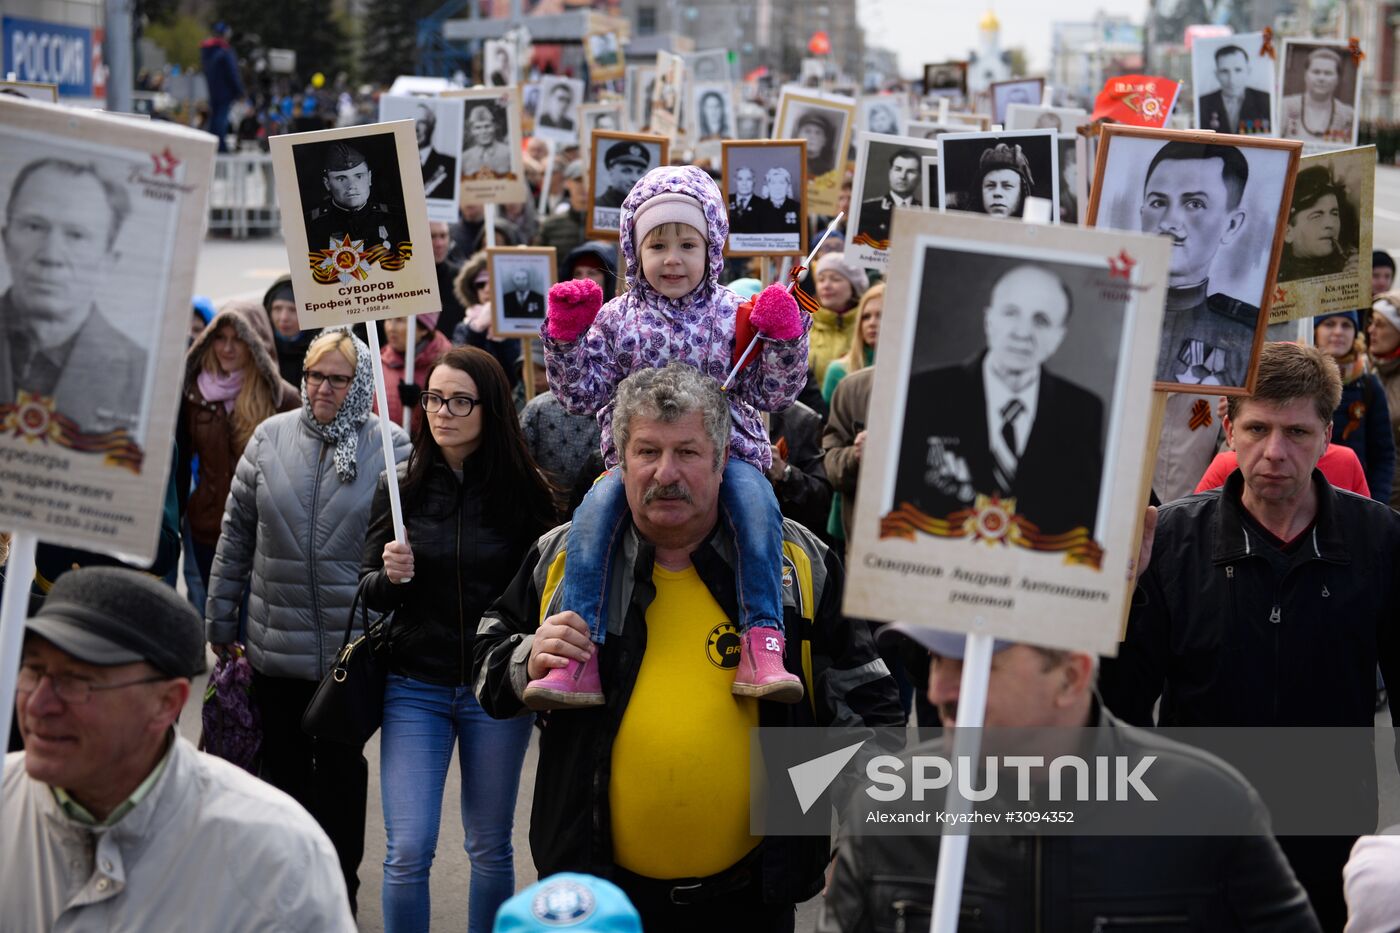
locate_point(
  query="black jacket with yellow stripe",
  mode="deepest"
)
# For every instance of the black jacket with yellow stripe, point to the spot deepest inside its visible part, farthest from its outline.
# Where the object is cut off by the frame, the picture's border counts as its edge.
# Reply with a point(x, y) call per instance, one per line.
point(847, 684)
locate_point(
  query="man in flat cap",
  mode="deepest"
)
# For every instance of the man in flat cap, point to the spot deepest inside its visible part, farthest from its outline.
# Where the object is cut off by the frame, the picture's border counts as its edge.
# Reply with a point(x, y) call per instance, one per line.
point(1193, 193)
point(1313, 243)
point(439, 168)
point(112, 820)
point(347, 209)
point(626, 162)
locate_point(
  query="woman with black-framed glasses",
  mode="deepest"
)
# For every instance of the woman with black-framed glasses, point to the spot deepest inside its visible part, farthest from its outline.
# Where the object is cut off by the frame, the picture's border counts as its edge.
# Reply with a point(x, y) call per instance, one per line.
point(293, 530)
point(473, 503)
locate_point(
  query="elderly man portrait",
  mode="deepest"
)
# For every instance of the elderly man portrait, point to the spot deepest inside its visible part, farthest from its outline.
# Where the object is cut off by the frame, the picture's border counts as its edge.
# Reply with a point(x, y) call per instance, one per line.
point(486, 153)
point(1193, 193)
point(746, 214)
point(348, 208)
point(1016, 430)
point(1317, 114)
point(903, 178)
point(652, 790)
point(1313, 242)
point(112, 820)
point(64, 222)
point(1270, 601)
point(439, 168)
point(1234, 107)
point(520, 300)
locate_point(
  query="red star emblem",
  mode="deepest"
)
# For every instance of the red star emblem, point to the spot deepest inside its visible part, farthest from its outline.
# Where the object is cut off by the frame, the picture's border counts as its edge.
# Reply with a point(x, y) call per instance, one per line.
point(165, 163)
point(1121, 266)
point(1279, 294)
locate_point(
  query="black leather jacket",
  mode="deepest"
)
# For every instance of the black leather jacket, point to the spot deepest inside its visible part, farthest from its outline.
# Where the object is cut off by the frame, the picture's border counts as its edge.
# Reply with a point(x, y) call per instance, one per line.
point(460, 565)
point(1081, 883)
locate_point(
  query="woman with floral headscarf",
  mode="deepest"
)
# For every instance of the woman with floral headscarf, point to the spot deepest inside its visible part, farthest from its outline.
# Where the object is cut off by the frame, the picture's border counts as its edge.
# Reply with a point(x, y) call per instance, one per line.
point(293, 530)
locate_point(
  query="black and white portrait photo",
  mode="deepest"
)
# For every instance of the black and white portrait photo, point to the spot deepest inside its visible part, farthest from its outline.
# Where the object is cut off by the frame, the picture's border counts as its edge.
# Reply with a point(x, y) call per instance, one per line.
point(668, 94)
point(351, 189)
point(1222, 206)
point(1320, 102)
point(929, 129)
point(1233, 83)
point(994, 173)
point(101, 224)
point(498, 63)
point(640, 83)
point(763, 196)
point(945, 79)
point(618, 161)
point(556, 116)
point(712, 111)
point(591, 117)
point(1063, 120)
point(437, 126)
point(883, 113)
point(520, 280)
point(1016, 91)
point(492, 167)
point(889, 174)
point(711, 66)
point(603, 52)
point(825, 122)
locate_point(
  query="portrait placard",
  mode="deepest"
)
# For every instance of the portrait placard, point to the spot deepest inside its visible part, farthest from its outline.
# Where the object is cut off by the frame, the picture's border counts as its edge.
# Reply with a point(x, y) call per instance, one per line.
point(520, 280)
point(884, 113)
point(668, 95)
point(355, 224)
point(710, 116)
point(1232, 82)
point(1070, 199)
point(764, 188)
point(994, 173)
point(1063, 120)
point(888, 175)
point(1016, 91)
point(1224, 200)
point(1022, 531)
point(603, 53)
point(751, 122)
point(600, 116)
point(712, 66)
point(640, 85)
point(617, 162)
point(1320, 95)
point(928, 179)
point(499, 65)
point(493, 162)
point(825, 121)
point(556, 115)
point(945, 79)
point(103, 223)
point(1325, 265)
point(437, 128)
point(31, 90)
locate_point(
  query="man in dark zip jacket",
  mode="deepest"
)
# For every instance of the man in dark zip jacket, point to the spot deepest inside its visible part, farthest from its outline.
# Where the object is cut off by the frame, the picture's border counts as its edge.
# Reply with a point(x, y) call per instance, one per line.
point(1269, 602)
point(651, 789)
point(1072, 878)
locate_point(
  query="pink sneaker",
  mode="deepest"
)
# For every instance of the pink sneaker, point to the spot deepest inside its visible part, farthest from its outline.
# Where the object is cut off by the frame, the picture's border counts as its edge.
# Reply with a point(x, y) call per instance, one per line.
point(761, 673)
point(573, 686)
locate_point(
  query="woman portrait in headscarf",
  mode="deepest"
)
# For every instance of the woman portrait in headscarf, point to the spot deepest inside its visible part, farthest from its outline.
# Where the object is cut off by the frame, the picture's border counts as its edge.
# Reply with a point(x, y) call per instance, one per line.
point(1002, 183)
point(816, 127)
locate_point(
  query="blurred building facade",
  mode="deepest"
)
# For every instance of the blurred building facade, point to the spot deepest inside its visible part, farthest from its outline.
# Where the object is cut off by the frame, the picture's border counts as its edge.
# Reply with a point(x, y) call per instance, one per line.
point(1083, 55)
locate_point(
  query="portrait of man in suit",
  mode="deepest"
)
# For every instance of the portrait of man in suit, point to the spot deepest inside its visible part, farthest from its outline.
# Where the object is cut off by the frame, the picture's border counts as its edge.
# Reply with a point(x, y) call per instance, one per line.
point(439, 169)
point(62, 227)
point(903, 176)
point(745, 207)
point(520, 300)
point(1000, 423)
point(1234, 107)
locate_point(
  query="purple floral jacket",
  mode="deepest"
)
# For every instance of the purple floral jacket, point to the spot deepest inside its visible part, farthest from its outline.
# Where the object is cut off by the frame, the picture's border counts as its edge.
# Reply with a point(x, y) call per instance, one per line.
point(643, 329)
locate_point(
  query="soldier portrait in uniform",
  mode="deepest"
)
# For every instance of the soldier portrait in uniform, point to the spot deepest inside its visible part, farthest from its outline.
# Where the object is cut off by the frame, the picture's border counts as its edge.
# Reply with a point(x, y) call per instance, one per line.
point(486, 150)
point(66, 232)
point(1225, 209)
point(889, 174)
point(994, 173)
point(1016, 91)
point(1233, 82)
point(763, 185)
point(556, 117)
point(437, 123)
point(618, 160)
point(492, 166)
point(1321, 94)
point(351, 203)
point(520, 278)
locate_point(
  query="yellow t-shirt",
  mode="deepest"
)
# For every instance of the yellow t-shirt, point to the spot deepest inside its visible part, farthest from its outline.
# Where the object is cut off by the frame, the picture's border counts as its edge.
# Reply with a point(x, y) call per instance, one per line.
point(680, 760)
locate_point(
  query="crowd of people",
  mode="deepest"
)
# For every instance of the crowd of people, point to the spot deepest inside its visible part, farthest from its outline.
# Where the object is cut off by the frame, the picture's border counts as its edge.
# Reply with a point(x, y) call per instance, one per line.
point(577, 524)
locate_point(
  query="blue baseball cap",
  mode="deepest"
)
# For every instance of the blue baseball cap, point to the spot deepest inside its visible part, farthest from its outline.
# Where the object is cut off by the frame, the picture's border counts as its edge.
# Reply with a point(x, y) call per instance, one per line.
point(569, 901)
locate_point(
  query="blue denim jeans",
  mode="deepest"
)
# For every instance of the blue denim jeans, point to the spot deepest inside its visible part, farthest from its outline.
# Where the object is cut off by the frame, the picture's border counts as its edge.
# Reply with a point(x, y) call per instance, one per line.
point(421, 722)
point(750, 512)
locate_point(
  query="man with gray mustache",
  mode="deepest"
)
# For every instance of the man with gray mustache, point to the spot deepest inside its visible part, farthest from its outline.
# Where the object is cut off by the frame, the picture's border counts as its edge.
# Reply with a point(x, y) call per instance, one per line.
point(665, 759)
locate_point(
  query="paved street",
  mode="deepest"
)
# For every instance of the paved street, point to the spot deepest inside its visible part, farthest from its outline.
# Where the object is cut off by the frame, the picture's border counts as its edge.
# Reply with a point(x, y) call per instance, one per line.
point(230, 269)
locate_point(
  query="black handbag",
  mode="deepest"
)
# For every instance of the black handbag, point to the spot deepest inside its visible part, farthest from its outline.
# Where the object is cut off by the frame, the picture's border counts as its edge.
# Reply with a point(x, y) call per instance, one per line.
point(348, 705)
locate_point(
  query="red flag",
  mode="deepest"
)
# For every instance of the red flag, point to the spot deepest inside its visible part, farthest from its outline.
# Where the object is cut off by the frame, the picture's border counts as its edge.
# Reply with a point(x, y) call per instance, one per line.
point(1137, 100)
